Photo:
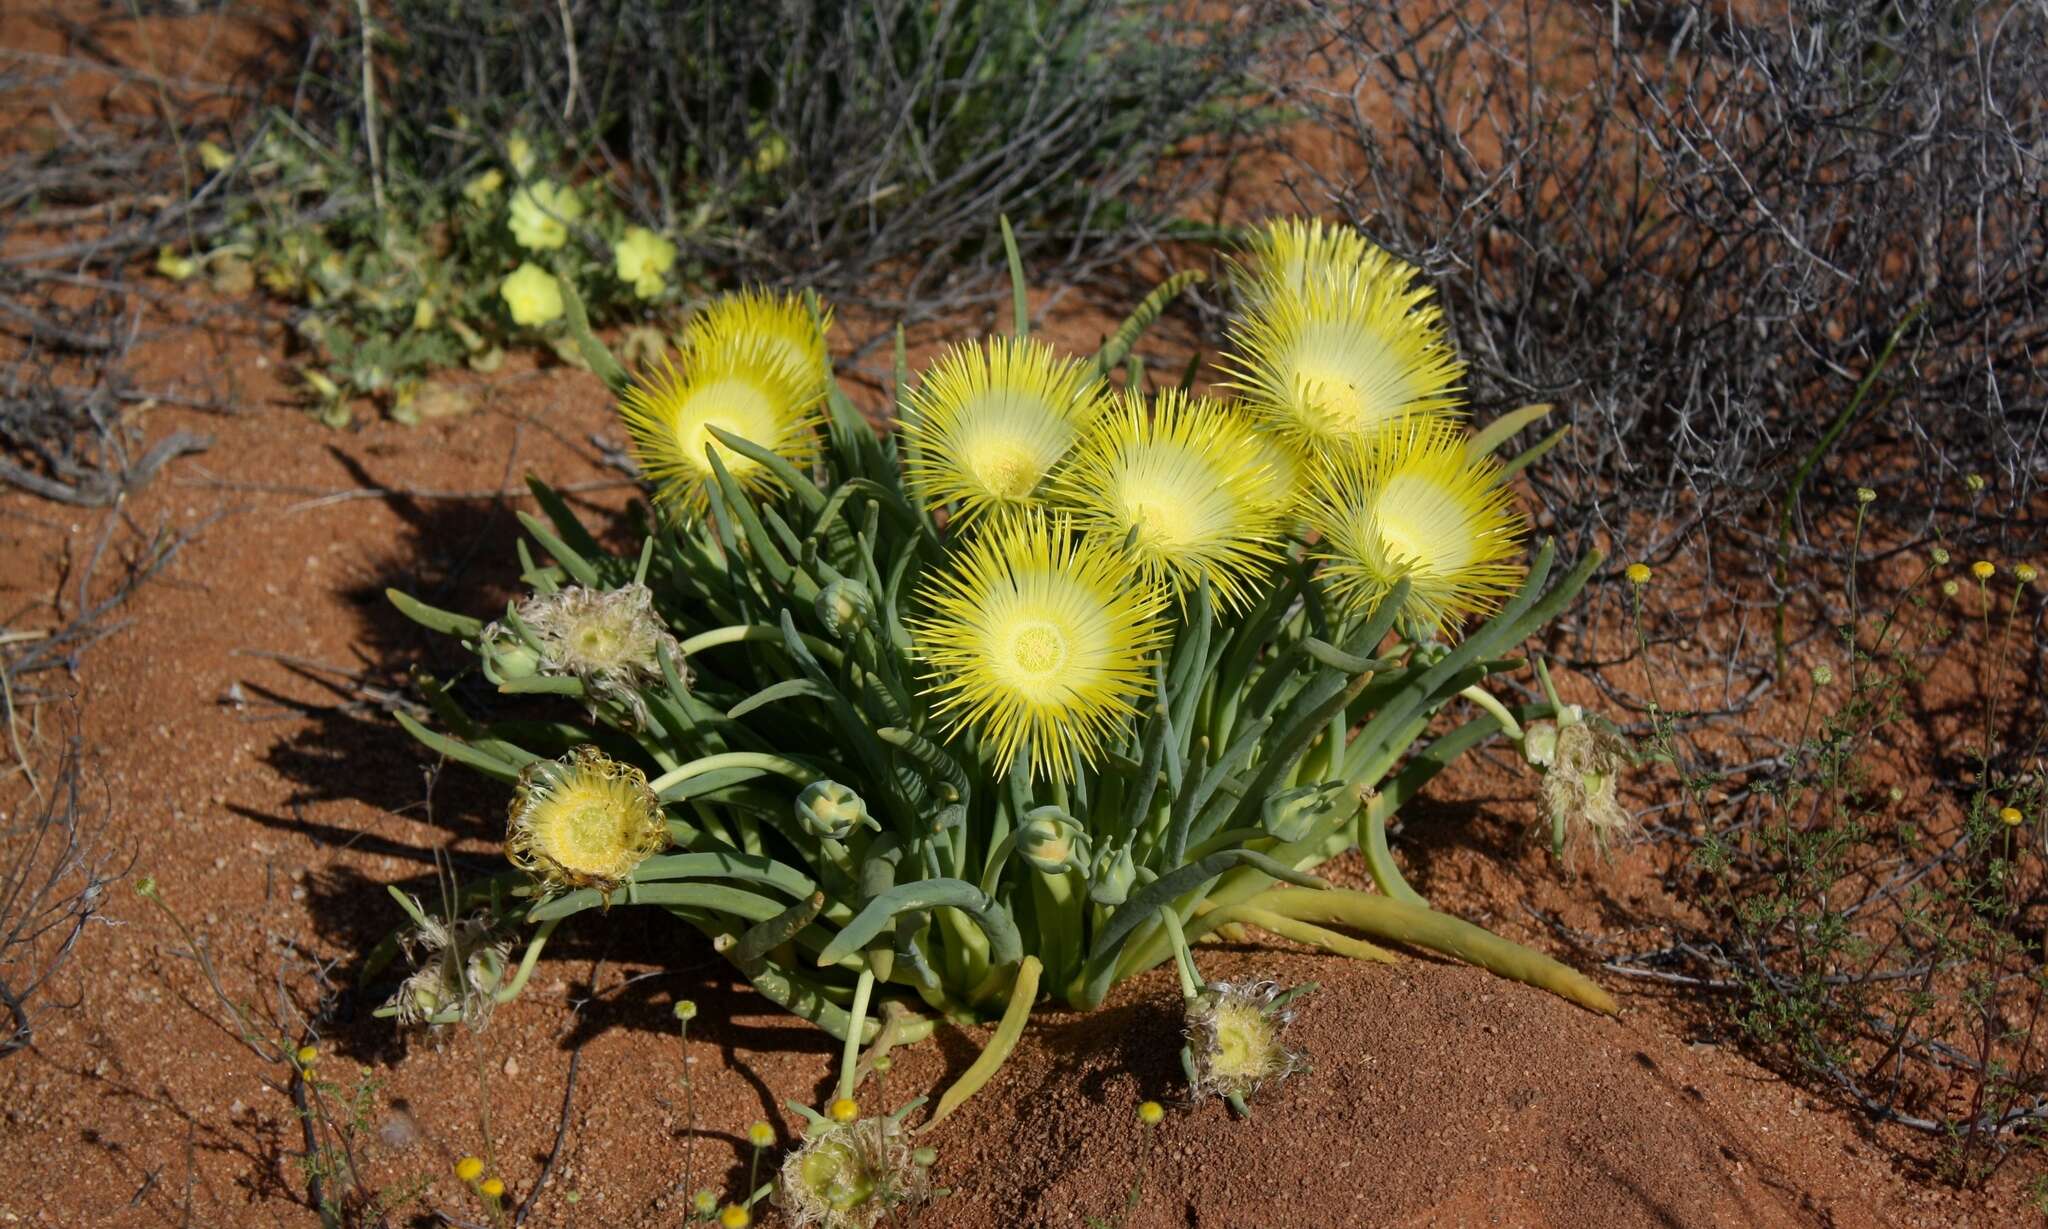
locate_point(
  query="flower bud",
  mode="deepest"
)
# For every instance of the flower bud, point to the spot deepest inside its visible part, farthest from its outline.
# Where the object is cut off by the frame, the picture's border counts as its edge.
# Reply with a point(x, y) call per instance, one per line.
point(831, 811)
point(844, 607)
point(1539, 743)
point(1110, 884)
point(1052, 842)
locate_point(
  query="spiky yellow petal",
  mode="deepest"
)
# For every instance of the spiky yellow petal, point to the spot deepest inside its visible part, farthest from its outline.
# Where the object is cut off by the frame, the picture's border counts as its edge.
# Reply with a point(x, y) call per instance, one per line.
point(1414, 505)
point(782, 323)
point(583, 821)
point(1330, 364)
point(990, 422)
point(744, 387)
point(1039, 640)
point(1286, 256)
point(1181, 489)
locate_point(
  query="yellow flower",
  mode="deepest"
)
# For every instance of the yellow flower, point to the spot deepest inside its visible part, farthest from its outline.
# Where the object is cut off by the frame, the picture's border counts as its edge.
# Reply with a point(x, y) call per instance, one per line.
point(492, 1187)
point(735, 1217)
point(761, 1135)
point(1983, 570)
point(532, 295)
point(990, 421)
point(174, 266)
point(1039, 640)
point(1638, 573)
point(643, 260)
point(1234, 1037)
point(540, 215)
point(1151, 1113)
point(1330, 366)
point(469, 1168)
point(1414, 505)
point(1287, 256)
point(306, 1056)
point(1180, 489)
point(519, 154)
point(583, 821)
point(214, 158)
point(2024, 573)
point(2010, 816)
point(743, 389)
point(480, 189)
point(781, 324)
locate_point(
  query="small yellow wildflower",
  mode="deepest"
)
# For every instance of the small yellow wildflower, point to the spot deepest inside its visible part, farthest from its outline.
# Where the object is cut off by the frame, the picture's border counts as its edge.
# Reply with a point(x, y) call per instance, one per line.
point(540, 214)
point(481, 188)
point(1822, 676)
point(469, 1168)
point(686, 1010)
point(214, 158)
point(735, 1217)
point(532, 295)
point(519, 153)
point(1974, 481)
point(492, 1188)
point(1983, 570)
point(1638, 574)
point(1150, 1113)
point(307, 1055)
point(174, 266)
point(843, 1109)
point(1949, 588)
point(761, 1135)
point(1939, 556)
point(2010, 816)
point(705, 1202)
point(1865, 495)
point(2024, 573)
point(643, 260)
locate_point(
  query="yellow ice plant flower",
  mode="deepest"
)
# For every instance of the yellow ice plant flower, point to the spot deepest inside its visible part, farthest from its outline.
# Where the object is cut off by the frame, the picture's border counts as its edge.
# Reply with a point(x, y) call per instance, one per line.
point(540, 214)
point(1039, 640)
point(583, 821)
point(991, 420)
point(1181, 489)
point(1289, 255)
point(643, 259)
point(743, 389)
point(1331, 365)
point(1234, 1037)
point(780, 323)
point(1414, 505)
point(532, 295)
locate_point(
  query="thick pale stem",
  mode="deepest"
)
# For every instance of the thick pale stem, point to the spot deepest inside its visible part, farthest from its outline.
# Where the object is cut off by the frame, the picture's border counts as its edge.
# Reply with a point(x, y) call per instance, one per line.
point(510, 990)
point(849, 1058)
point(1484, 699)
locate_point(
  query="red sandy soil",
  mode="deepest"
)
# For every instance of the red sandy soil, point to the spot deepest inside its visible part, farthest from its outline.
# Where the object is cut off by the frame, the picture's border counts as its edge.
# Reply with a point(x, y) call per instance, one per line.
point(272, 799)
point(235, 730)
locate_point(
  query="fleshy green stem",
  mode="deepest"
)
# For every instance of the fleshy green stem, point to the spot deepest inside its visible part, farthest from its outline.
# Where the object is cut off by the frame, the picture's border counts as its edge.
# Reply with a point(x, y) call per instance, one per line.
point(849, 1058)
point(511, 989)
point(1484, 699)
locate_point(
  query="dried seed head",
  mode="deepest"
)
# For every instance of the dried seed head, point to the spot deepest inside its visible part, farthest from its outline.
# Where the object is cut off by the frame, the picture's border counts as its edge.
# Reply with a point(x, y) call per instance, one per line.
point(610, 640)
point(583, 821)
point(458, 967)
point(1581, 786)
point(849, 1175)
point(1234, 1037)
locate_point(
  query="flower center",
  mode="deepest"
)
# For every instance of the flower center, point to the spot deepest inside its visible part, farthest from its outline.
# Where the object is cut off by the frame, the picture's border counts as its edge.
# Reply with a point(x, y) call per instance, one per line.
point(1007, 469)
point(736, 407)
point(586, 831)
point(1037, 650)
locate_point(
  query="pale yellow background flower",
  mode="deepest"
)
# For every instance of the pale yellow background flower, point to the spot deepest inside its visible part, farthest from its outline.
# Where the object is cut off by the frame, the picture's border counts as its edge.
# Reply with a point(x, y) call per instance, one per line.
point(541, 213)
point(532, 294)
point(644, 259)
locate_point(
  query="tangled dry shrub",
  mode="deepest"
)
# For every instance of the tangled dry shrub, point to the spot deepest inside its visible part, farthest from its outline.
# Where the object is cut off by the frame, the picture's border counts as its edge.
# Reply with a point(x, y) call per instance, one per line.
point(1696, 226)
point(845, 144)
